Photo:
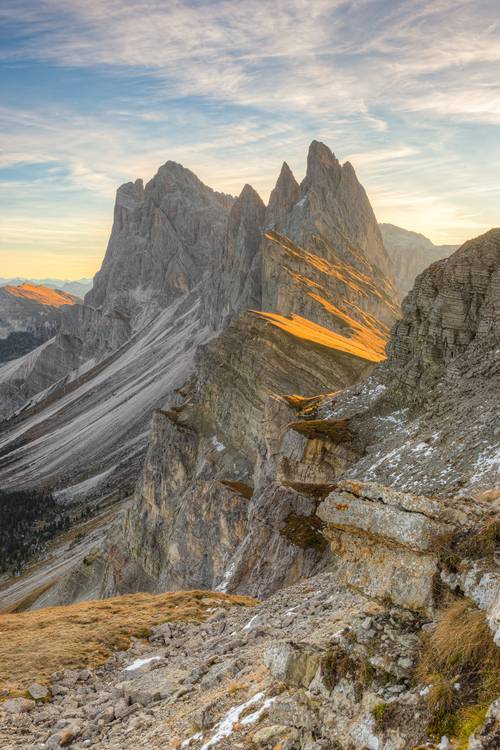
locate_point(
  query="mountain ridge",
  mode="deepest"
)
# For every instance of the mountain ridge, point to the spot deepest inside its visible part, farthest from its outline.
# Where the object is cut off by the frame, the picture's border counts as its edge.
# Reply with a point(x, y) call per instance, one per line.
point(411, 253)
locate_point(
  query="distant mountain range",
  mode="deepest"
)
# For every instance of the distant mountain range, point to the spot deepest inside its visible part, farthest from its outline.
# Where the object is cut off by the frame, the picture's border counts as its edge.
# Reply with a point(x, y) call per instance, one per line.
point(78, 287)
point(30, 315)
point(411, 253)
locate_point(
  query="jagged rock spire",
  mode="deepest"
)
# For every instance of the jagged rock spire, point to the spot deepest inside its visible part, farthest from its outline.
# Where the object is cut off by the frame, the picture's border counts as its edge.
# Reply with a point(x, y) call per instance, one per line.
point(235, 278)
point(283, 197)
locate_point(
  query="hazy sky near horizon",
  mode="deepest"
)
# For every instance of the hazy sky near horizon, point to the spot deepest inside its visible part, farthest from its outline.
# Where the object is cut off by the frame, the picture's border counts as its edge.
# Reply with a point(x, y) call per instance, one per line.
point(99, 92)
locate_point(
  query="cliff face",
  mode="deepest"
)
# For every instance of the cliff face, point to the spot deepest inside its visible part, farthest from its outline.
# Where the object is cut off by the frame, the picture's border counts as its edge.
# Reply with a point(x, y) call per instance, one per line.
point(315, 251)
point(410, 254)
point(453, 307)
point(287, 452)
point(320, 322)
point(164, 237)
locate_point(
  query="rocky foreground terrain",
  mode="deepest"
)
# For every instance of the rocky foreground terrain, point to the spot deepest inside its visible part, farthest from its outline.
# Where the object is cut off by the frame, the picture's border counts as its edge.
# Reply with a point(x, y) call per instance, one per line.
point(318, 665)
point(312, 446)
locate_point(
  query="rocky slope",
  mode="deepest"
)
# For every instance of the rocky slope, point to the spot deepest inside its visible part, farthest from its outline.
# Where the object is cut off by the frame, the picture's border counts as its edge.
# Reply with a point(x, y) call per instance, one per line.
point(30, 315)
point(410, 253)
point(316, 666)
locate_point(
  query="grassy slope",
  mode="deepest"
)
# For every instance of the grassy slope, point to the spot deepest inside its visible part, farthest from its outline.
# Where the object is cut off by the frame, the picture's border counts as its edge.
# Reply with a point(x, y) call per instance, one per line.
point(33, 645)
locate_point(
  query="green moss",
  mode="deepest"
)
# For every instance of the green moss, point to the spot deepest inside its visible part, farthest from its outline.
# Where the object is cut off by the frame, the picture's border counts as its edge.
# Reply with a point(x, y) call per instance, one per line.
point(385, 714)
point(378, 714)
point(470, 720)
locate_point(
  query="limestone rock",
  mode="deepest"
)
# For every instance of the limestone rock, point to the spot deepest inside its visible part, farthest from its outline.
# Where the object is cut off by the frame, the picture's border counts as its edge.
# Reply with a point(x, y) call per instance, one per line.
point(38, 691)
point(452, 307)
point(386, 541)
point(30, 314)
point(150, 687)
point(236, 268)
point(283, 198)
point(292, 663)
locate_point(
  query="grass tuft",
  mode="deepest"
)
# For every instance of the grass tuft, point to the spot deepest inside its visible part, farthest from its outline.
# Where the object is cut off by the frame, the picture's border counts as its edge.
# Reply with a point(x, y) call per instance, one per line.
point(462, 662)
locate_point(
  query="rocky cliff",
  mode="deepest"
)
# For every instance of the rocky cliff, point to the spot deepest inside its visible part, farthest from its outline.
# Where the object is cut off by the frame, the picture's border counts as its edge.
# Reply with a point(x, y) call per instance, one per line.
point(183, 257)
point(163, 237)
point(410, 253)
point(320, 322)
point(280, 453)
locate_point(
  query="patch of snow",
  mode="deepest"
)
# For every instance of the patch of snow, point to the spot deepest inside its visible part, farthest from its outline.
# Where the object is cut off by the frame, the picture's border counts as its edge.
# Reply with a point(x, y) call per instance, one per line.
point(217, 445)
point(138, 663)
point(249, 624)
point(421, 448)
point(226, 578)
point(191, 739)
point(252, 718)
point(425, 690)
point(225, 727)
point(444, 743)
point(487, 461)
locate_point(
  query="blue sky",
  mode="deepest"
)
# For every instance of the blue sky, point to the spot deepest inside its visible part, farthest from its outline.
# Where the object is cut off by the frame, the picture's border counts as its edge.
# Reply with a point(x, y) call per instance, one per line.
point(95, 93)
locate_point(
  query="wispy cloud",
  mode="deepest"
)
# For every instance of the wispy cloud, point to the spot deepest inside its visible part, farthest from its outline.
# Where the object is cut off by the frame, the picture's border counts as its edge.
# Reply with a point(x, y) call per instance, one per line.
point(406, 89)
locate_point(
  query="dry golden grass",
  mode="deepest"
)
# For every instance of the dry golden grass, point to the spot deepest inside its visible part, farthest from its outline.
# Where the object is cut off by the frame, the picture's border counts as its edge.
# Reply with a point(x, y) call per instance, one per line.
point(491, 495)
point(33, 645)
point(366, 346)
point(460, 652)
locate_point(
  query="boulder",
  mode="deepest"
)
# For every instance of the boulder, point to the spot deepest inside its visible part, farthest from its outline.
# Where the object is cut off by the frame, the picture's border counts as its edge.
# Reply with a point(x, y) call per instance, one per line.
point(37, 691)
point(293, 663)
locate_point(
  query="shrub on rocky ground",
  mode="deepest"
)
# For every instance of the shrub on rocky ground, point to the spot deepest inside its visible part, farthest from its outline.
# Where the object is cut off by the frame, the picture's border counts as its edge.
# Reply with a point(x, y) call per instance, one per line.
point(461, 662)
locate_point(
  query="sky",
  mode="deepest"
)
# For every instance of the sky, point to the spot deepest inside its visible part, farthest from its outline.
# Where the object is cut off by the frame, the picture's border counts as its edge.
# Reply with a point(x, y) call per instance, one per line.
point(95, 93)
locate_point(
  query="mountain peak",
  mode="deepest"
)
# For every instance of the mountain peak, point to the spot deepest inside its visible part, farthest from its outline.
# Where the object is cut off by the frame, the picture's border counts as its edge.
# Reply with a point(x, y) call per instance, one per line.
point(249, 194)
point(284, 195)
point(320, 155)
point(43, 295)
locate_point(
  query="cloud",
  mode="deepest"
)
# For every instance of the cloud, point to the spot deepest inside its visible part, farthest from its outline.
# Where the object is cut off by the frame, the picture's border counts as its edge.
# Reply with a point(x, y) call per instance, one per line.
point(406, 89)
